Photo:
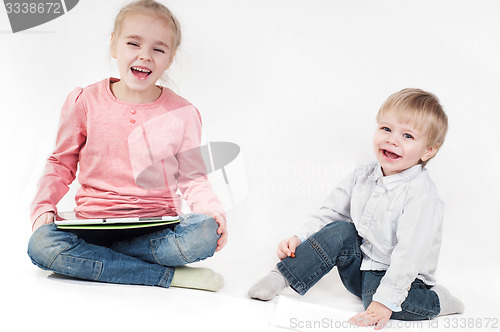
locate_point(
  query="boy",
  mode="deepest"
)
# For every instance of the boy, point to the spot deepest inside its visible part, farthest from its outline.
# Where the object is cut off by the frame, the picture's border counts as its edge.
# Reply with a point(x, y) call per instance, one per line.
point(381, 226)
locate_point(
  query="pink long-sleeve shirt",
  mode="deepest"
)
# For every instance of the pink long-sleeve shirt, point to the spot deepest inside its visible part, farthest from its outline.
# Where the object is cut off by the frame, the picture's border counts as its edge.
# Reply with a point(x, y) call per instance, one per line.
point(132, 158)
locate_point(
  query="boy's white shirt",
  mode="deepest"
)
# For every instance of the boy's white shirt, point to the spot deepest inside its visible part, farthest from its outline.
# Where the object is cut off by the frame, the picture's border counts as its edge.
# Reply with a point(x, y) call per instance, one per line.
point(400, 220)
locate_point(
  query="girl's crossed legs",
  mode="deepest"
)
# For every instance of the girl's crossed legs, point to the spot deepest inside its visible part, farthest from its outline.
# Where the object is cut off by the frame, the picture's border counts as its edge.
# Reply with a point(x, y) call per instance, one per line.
point(149, 259)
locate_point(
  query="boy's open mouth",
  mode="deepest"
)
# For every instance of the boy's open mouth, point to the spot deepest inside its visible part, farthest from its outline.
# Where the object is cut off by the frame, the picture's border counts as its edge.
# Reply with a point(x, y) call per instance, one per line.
point(140, 72)
point(391, 155)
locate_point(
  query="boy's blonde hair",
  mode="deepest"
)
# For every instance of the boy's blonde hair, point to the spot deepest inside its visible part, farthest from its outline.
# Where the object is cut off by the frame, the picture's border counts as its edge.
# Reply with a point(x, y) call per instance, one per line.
point(423, 110)
point(150, 7)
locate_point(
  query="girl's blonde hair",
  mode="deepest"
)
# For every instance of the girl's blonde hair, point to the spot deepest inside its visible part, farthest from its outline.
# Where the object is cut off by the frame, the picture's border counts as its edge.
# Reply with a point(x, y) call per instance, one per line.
point(150, 7)
point(423, 110)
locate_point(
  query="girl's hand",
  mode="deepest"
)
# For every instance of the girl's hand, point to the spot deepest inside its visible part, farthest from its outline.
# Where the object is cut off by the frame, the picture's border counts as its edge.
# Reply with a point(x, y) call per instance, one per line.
point(287, 247)
point(376, 314)
point(222, 230)
point(45, 218)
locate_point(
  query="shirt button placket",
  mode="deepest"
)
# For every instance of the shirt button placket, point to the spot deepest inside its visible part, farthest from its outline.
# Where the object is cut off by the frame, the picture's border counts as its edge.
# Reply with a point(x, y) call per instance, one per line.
point(132, 120)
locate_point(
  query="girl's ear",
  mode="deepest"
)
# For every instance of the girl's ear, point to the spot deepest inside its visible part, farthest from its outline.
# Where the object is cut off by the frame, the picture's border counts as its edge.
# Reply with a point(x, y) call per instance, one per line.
point(172, 56)
point(429, 153)
point(112, 46)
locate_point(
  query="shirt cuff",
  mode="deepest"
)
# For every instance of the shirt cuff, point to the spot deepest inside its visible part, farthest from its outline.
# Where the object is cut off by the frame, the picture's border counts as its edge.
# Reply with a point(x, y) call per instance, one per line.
point(41, 210)
point(391, 298)
point(394, 307)
point(302, 237)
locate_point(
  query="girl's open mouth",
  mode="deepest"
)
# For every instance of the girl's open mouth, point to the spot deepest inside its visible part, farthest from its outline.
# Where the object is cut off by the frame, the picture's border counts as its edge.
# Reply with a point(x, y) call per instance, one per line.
point(391, 155)
point(140, 72)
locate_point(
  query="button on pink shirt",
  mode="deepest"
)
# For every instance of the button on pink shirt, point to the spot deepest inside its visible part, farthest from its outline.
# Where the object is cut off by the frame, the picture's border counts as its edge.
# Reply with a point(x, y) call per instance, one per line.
point(132, 157)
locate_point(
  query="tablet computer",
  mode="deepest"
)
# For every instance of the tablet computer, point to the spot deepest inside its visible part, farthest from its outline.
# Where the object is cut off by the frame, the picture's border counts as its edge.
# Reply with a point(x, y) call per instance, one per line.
point(109, 221)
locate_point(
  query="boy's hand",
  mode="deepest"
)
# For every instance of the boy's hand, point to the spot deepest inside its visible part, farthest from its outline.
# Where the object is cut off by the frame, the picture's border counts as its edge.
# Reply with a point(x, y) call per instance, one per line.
point(376, 314)
point(222, 230)
point(45, 218)
point(287, 247)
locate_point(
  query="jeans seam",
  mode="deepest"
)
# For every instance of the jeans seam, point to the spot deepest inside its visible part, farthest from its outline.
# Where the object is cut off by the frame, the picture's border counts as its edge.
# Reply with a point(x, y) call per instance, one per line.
point(165, 278)
point(179, 249)
point(321, 253)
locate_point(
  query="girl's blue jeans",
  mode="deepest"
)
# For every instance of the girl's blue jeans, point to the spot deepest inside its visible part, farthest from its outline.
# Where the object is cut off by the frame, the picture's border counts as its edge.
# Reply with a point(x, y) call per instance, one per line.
point(338, 244)
point(147, 259)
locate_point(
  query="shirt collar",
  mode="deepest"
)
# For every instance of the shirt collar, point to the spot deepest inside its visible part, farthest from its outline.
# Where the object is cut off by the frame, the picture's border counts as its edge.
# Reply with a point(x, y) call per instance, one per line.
point(392, 181)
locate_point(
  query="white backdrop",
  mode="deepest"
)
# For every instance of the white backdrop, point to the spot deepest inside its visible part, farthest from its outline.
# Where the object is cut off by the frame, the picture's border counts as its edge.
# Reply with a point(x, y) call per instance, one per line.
point(296, 84)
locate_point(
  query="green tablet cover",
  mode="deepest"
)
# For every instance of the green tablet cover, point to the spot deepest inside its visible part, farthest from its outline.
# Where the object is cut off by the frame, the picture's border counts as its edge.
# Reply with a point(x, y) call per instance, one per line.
point(111, 225)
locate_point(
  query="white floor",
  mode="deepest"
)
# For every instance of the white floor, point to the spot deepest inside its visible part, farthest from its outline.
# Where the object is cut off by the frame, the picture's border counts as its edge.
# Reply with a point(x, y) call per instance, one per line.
point(38, 300)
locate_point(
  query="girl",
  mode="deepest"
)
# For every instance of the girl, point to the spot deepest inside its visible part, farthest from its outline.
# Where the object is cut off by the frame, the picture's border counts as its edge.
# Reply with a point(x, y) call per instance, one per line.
point(136, 144)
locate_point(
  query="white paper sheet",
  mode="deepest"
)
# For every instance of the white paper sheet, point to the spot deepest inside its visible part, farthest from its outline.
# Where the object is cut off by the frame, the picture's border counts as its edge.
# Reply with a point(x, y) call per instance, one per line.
point(298, 315)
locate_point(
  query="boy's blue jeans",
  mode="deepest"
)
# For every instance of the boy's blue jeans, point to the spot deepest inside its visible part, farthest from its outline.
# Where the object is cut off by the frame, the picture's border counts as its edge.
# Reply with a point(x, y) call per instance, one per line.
point(338, 244)
point(148, 259)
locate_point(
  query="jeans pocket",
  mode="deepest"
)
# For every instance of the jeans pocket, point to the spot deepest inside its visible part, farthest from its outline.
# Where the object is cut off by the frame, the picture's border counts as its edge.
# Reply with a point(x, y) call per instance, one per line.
point(166, 251)
point(77, 267)
point(193, 240)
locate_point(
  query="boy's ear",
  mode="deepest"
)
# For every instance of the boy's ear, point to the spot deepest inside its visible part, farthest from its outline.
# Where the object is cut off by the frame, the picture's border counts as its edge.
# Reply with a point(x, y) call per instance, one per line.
point(112, 46)
point(429, 153)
